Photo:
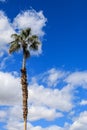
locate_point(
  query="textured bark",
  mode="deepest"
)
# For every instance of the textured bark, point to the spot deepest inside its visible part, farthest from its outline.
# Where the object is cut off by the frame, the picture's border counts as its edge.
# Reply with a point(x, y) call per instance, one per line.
point(24, 93)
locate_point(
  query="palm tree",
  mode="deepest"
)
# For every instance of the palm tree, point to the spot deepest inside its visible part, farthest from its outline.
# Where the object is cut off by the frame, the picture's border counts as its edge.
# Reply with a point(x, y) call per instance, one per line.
point(27, 42)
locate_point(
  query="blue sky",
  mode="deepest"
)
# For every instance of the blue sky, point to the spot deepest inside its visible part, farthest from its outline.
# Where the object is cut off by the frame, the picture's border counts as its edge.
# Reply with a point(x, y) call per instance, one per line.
point(57, 73)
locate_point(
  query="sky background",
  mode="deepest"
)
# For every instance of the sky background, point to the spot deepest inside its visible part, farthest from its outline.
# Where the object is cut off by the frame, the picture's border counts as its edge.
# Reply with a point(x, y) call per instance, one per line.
point(57, 73)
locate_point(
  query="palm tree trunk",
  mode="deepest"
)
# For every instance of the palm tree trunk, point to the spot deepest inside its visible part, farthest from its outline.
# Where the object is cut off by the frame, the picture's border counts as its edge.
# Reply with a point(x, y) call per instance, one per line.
point(25, 96)
point(24, 91)
point(25, 125)
point(24, 61)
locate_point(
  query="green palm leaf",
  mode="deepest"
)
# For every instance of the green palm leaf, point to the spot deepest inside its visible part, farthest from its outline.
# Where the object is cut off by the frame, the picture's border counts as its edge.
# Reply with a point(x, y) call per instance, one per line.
point(14, 47)
point(32, 38)
point(25, 33)
point(34, 45)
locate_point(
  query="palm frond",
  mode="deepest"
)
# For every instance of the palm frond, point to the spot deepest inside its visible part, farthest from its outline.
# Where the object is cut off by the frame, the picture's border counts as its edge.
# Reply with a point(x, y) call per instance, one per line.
point(14, 35)
point(28, 31)
point(11, 42)
point(35, 45)
point(34, 36)
point(14, 47)
point(25, 33)
point(32, 39)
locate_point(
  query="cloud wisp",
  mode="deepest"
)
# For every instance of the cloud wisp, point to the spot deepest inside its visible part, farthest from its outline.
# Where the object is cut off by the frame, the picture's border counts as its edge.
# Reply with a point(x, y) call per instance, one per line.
point(2, 0)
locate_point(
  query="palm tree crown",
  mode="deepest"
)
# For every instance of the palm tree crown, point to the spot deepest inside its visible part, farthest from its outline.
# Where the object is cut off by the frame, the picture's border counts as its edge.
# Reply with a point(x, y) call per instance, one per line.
point(26, 41)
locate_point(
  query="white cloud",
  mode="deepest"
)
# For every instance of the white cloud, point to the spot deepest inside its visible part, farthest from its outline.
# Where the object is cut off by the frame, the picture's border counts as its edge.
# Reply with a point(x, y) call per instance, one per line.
point(42, 112)
point(52, 97)
point(5, 31)
point(19, 125)
point(80, 123)
point(3, 62)
point(30, 18)
point(78, 79)
point(83, 102)
point(10, 90)
point(35, 113)
point(1, 53)
point(55, 128)
point(2, 115)
point(52, 77)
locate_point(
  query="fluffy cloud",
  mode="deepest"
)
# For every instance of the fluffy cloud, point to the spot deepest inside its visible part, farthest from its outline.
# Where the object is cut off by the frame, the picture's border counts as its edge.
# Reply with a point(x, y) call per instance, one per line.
point(33, 19)
point(10, 89)
point(83, 102)
point(17, 125)
point(3, 62)
point(53, 76)
point(78, 79)
point(3, 115)
point(80, 123)
point(51, 97)
point(35, 113)
point(5, 31)
point(42, 112)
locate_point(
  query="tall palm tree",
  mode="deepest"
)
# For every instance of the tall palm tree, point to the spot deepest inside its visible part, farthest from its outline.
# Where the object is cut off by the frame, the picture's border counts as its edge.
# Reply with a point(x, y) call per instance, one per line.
point(27, 42)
